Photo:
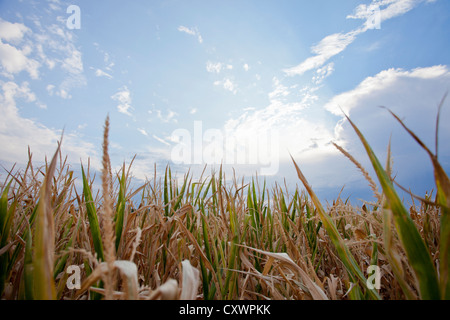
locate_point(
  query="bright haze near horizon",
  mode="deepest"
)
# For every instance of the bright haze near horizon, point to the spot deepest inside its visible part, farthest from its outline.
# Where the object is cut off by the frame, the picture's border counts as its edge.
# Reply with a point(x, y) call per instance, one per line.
point(243, 83)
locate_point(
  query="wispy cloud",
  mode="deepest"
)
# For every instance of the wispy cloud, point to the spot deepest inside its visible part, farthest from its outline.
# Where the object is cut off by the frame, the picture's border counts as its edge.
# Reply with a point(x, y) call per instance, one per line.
point(191, 31)
point(327, 48)
point(227, 84)
point(161, 140)
point(18, 132)
point(63, 94)
point(279, 90)
point(143, 132)
point(307, 137)
point(281, 118)
point(52, 46)
point(217, 67)
point(213, 67)
point(73, 63)
point(55, 5)
point(50, 89)
point(123, 96)
point(334, 44)
point(289, 111)
point(388, 9)
point(170, 116)
point(323, 73)
point(101, 73)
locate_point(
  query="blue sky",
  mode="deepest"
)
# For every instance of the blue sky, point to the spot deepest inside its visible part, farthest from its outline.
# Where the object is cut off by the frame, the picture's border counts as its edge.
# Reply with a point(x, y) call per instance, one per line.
point(245, 83)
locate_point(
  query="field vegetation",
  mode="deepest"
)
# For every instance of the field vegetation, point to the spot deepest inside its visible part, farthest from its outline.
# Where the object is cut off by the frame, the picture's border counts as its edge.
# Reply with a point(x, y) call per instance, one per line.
point(218, 238)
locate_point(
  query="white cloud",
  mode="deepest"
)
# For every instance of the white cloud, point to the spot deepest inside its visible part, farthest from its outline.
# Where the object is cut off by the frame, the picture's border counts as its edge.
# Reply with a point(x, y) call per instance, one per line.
point(63, 94)
point(268, 135)
point(414, 96)
point(265, 138)
point(323, 73)
point(41, 105)
point(143, 132)
point(50, 89)
point(12, 32)
point(388, 9)
point(246, 67)
point(17, 132)
point(73, 63)
point(193, 111)
point(191, 31)
point(386, 81)
point(327, 48)
point(55, 5)
point(279, 91)
point(161, 140)
point(170, 117)
point(107, 60)
point(213, 67)
point(123, 96)
point(101, 73)
point(334, 44)
point(13, 58)
point(60, 42)
point(217, 67)
point(187, 30)
point(227, 84)
point(14, 61)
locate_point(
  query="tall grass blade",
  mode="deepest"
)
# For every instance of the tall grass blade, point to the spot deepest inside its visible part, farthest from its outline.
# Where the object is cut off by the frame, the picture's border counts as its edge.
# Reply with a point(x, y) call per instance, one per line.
point(166, 194)
point(120, 209)
point(28, 266)
point(443, 200)
point(44, 239)
point(5, 224)
point(415, 248)
point(92, 217)
point(343, 251)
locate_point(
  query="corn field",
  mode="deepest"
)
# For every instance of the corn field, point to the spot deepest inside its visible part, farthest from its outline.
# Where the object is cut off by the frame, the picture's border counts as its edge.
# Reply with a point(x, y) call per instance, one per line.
point(216, 237)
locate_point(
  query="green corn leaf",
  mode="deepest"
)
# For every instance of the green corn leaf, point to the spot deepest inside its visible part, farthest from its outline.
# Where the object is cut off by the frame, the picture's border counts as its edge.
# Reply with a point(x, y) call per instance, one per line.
point(343, 251)
point(5, 224)
point(166, 195)
point(61, 265)
point(92, 217)
point(392, 256)
point(180, 196)
point(443, 200)
point(120, 211)
point(4, 211)
point(28, 266)
point(44, 240)
point(416, 251)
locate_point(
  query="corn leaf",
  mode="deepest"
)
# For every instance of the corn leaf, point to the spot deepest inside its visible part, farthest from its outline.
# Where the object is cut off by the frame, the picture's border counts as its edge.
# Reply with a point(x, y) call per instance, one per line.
point(343, 251)
point(120, 209)
point(44, 240)
point(415, 248)
point(92, 217)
